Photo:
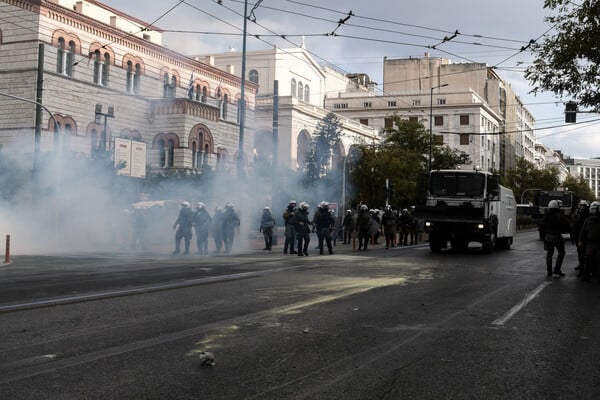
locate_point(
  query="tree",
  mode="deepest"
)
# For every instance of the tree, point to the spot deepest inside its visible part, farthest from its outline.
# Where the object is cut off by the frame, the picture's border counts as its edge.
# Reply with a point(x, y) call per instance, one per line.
point(567, 61)
point(327, 135)
point(580, 186)
point(524, 177)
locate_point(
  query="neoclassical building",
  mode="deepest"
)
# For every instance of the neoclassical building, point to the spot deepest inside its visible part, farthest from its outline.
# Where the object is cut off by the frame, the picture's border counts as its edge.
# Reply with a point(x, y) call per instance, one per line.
point(101, 74)
point(302, 86)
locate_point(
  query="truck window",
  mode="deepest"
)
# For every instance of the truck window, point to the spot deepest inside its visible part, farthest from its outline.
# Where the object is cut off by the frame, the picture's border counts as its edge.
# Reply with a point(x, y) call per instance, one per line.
point(456, 184)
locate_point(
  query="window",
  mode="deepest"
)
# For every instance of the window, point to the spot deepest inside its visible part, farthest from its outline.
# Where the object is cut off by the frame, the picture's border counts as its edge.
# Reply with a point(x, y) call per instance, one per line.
point(464, 139)
point(64, 58)
point(293, 88)
point(136, 78)
point(306, 93)
point(225, 102)
point(388, 123)
point(169, 86)
point(416, 102)
point(129, 79)
point(364, 121)
point(367, 104)
point(392, 103)
point(413, 119)
point(204, 94)
point(440, 101)
point(340, 105)
point(438, 120)
point(464, 120)
point(101, 63)
point(105, 69)
point(300, 90)
point(253, 76)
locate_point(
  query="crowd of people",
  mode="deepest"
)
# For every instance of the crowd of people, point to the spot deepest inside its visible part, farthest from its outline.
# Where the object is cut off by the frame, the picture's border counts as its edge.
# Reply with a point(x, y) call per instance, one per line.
point(365, 226)
point(221, 225)
point(584, 228)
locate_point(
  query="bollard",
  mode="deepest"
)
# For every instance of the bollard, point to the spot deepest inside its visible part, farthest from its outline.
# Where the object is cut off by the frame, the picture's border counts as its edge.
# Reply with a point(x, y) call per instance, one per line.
point(7, 250)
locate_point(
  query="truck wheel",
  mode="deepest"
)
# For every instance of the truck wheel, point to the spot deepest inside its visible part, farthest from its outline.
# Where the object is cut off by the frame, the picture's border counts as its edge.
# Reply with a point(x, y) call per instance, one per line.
point(490, 244)
point(504, 243)
point(435, 244)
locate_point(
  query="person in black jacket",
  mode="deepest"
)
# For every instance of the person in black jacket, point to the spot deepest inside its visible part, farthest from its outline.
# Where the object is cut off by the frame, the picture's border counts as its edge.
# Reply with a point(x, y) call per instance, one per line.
point(183, 226)
point(576, 224)
point(303, 229)
point(267, 224)
point(556, 224)
point(589, 238)
point(324, 222)
point(362, 226)
point(289, 218)
point(348, 226)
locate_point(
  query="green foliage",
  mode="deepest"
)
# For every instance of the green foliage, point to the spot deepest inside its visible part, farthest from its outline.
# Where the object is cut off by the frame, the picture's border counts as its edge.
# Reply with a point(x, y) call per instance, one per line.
point(524, 177)
point(580, 186)
point(402, 158)
point(567, 59)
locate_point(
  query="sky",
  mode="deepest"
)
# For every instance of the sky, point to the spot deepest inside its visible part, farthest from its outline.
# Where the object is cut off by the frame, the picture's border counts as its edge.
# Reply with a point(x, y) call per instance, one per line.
point(490, 32)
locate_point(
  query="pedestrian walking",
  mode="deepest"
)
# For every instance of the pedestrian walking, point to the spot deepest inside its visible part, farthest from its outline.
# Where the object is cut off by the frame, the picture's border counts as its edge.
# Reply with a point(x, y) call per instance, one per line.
point(267, 225)
point(389, 221)
point(589, 238)
point(230, 222)
point(324, 222)
point(583, 212)
point(183, 228)
point(348, 225)
point(362, 226)
point(556, 223)
point(303, 228)
point(289, 218)
point(202, 223)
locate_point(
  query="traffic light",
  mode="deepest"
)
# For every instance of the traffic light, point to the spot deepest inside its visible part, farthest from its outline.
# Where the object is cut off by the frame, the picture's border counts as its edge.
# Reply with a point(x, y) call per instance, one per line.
point(571, 112)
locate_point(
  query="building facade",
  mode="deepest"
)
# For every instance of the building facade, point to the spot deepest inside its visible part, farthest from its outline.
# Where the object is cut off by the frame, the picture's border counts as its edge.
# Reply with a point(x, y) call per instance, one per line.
point(102, 74)
point(302, 85)
point(588, 168)
point(468, 105)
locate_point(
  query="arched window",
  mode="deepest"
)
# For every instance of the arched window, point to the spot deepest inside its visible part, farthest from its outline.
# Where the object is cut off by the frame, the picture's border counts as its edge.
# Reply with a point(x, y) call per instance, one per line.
point(97, 67)
point(67, 137)
point(166, 86)
point(225, 102)
point(204, 94)
point(173, 86)
point(194, 155)
point(129, 79)
point(60, 56)
point(105, 69)
point(198, 92)
point(253, 76)
point(302, 148)
point(136, 78)
point(162, 153)
point(293, 88)
point(300, 91)
point(171, 153)
point(69, 57)
point(306, 93)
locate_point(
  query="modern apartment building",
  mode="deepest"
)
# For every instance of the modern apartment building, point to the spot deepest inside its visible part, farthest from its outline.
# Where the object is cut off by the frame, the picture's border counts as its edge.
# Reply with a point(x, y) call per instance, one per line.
point(589, 168)
point(468, 105)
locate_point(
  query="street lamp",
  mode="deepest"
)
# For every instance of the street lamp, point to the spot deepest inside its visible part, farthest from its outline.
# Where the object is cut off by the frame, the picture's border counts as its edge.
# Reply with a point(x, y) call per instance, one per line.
point(431, 120)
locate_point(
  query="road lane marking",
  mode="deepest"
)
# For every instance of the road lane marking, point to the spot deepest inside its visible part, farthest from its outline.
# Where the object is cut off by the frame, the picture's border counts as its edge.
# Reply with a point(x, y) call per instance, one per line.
point(517, 307)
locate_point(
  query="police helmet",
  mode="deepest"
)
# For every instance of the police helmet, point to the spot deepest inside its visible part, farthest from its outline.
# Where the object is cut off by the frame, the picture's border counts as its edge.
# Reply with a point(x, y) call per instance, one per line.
point(200, 205)
point(185, 204)
point(594, 207)
point(553, 204)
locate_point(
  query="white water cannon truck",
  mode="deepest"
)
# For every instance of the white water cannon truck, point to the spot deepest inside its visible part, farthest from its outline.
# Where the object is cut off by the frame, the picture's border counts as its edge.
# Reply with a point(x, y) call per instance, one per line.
point(463, 206)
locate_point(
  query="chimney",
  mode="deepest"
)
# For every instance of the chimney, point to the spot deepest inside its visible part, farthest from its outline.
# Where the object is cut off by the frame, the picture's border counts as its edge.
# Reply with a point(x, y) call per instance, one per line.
point(210, 60)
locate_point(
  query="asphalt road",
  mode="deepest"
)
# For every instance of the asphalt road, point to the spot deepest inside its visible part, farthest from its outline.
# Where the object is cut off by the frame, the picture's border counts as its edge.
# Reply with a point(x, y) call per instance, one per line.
point(401, 323)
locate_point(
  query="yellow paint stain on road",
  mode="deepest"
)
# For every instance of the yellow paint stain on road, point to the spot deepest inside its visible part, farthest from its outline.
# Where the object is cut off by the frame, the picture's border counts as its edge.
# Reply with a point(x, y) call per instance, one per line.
point(334, 289)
